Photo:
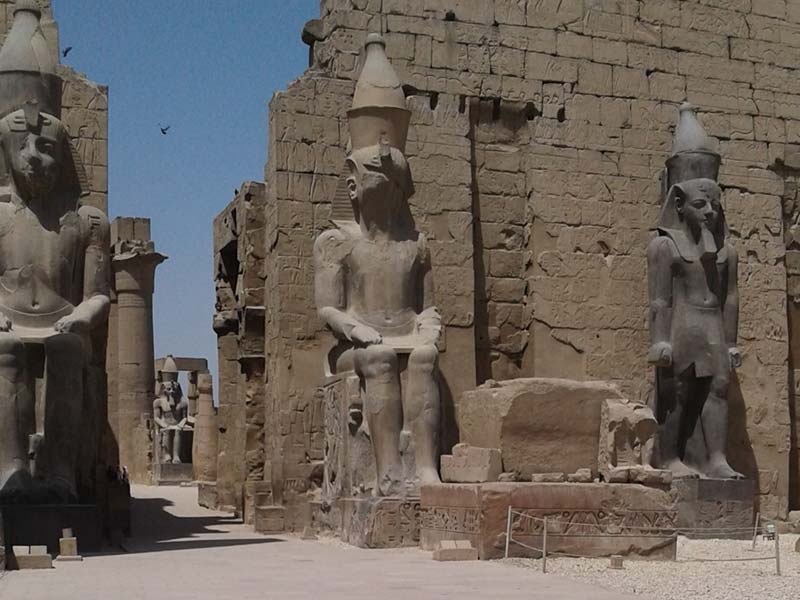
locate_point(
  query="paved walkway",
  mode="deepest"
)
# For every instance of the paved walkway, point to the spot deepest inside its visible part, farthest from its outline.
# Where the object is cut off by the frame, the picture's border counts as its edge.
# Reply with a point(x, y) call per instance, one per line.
point(184, 552)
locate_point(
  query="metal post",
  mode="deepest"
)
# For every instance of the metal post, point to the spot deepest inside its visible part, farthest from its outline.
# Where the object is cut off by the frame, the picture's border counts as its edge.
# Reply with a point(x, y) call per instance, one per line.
point(777, 551)
point(544, 547)
point(755, 530)
point(508, 531)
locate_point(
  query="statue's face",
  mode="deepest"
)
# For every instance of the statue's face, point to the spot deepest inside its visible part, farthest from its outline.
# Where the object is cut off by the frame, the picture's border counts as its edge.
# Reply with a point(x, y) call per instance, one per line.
point(375, 184)
point(700, 205)
point(35, 158)
point(172, 391)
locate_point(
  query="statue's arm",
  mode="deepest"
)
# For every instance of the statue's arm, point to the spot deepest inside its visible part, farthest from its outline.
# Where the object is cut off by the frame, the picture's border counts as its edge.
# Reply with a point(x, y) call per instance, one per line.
point(730, 312)
point(429, 321)
point(96, 269)
point(659, 280)
point(329, 283)
point(158, 415)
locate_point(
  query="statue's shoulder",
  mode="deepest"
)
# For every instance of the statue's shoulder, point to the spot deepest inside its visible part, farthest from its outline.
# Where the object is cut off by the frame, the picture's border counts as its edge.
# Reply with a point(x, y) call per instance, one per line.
point(662, 247)
point(94, 223)
point(333, 244)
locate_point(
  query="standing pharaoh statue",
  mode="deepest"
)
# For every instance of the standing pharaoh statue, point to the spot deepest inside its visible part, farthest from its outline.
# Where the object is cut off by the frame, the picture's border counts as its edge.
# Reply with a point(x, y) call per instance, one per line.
point(374, 287)
point(694, 310)
point(54, 274)
point(171, 415)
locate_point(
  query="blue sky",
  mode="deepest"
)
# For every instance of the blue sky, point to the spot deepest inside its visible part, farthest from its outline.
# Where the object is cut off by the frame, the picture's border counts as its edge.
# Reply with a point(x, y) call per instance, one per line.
point(208, 69)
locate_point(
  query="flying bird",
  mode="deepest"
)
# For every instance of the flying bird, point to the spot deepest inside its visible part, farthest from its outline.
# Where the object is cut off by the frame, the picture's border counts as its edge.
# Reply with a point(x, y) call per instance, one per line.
point(66, 51)
point(164, 130)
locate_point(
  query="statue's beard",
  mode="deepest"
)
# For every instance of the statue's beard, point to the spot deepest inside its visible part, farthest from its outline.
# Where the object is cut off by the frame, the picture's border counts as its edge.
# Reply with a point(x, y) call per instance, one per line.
point(708, 243)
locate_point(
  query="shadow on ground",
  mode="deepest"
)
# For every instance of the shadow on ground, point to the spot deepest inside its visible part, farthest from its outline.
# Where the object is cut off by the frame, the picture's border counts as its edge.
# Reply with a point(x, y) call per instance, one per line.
point(154, 529)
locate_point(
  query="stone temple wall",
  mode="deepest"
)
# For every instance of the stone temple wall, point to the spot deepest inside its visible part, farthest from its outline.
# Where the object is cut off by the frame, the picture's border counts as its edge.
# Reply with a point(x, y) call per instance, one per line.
point(539, 133)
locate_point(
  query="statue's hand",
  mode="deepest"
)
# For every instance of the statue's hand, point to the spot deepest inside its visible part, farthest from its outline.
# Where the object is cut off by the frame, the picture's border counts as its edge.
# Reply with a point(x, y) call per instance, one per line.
point(660, 354)
point(736, 357)
point(72, 324)
point(5, 323)
point(363, 334)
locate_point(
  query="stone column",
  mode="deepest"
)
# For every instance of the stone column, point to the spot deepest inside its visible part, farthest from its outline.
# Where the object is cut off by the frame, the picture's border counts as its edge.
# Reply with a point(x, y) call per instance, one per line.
point(205, 445)
point(134, 263)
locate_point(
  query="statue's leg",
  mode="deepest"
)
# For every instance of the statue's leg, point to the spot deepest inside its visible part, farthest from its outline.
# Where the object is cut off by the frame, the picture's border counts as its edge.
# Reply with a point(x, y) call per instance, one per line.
point(64, 377)
point(166, 446)
point(422, 411)
point(378, 367)
point(17, 417)
point(715, 427)
point(673, 432)
point(176, 446)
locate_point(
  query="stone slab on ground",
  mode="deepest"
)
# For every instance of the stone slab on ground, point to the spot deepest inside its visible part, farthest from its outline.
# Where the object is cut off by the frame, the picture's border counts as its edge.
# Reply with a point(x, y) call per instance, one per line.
point(450, 550)
point(578, 515)
point(33, 561)
point(380, 522)
point(716, 503)
point(42, 524)
point(529, 419)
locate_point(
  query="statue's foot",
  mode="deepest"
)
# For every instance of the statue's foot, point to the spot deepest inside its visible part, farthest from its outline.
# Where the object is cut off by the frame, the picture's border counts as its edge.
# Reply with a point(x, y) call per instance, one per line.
point(176, 461)
point(167, 458)
point(428, 476)
point(722, 470)
point(18, 488)
point(680, 470)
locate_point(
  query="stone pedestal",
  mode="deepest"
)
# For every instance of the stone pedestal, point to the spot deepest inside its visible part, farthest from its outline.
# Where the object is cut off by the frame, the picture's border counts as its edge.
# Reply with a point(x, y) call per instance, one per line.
point(172, 474)
point(721, 504)
point(380, 522)
point(134, 263)
point(592, 519)
point(42, 525)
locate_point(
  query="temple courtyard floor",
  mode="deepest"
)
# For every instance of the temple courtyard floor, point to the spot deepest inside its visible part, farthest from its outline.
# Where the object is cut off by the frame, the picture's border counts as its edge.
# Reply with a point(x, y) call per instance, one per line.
point(182, 551)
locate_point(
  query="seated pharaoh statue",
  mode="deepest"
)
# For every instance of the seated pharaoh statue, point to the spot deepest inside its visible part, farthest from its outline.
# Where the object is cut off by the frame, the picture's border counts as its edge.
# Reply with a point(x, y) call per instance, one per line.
point(694, 311)
point(374, 287)
point(54, 274)
point(171, 416)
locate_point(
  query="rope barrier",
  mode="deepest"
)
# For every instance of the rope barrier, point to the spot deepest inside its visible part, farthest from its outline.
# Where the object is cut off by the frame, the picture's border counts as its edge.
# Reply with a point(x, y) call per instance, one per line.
point(673, 533)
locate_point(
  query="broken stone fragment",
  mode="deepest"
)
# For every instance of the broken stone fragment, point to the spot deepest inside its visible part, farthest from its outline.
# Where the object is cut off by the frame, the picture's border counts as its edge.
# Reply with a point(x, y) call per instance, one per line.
point(468, 464)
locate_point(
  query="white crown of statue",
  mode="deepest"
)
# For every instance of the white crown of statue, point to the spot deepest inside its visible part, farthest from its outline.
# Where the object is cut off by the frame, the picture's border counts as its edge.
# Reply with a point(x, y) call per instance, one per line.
point(379, 115)
point(693, 155)
point(28, 66)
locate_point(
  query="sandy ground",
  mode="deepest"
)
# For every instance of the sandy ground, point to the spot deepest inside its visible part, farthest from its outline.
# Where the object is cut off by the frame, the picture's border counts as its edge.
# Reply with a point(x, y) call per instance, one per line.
point(184, 552)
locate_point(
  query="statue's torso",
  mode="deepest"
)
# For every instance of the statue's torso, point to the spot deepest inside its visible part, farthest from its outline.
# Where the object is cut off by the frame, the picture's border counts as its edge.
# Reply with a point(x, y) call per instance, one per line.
point(40, 268)
point(384, 284)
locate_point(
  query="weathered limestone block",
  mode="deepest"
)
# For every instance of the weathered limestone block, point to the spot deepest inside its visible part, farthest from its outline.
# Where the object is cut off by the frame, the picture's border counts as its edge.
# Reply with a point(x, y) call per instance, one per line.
point(472, 465)
point(639, 521)
point(530, 419)
point(627, 440)
point(716, 503)
point(383, 522)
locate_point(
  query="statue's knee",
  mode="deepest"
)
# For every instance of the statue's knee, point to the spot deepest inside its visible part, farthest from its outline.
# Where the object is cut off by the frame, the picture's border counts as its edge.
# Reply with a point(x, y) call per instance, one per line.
point(719, 387)
point(12, 351)
point(423, 359)
point(380, 360)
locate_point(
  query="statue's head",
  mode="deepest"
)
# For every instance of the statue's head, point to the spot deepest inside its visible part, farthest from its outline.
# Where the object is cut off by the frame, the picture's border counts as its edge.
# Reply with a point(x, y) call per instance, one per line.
point(378, 181)
point(171, 391)
point(697, 203)
point(35, 147)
